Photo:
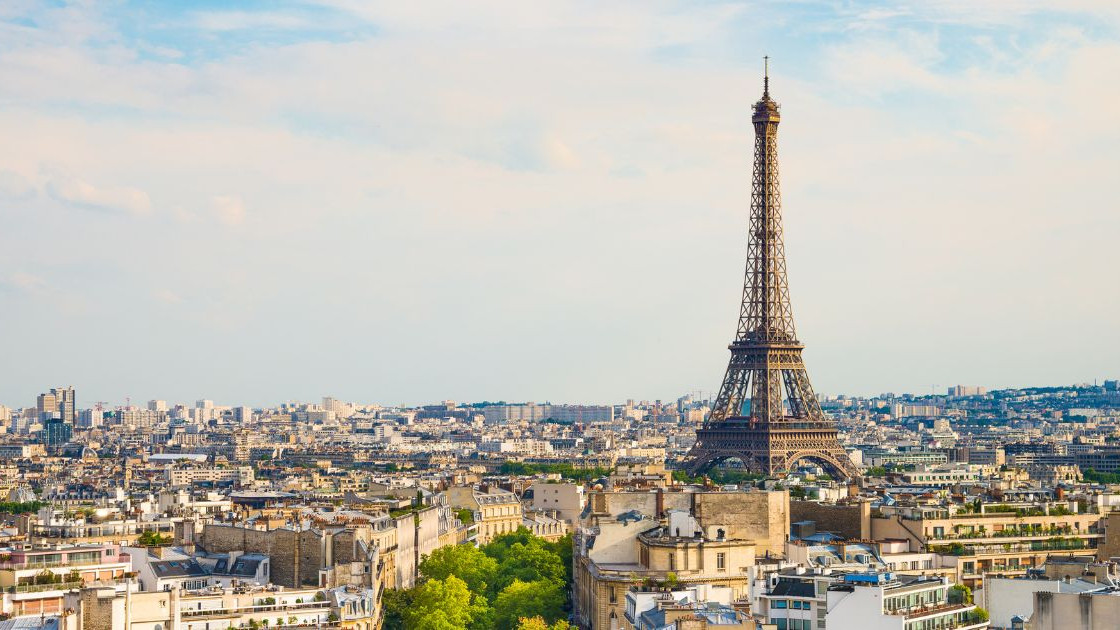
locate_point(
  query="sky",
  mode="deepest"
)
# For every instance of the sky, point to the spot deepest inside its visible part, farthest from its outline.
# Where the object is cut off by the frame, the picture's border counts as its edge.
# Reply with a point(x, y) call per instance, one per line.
point(407, 202)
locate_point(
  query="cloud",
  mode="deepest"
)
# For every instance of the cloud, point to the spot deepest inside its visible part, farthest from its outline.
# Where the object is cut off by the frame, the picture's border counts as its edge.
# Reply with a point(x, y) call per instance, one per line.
point(23, 282)
point(241, 20)
point(81, 194)
point(14, 186)
point(229, 210)
point(167, 296)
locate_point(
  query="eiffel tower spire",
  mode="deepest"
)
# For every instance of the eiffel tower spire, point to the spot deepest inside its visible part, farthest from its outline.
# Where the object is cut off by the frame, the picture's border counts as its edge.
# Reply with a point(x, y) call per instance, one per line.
point(766, 414)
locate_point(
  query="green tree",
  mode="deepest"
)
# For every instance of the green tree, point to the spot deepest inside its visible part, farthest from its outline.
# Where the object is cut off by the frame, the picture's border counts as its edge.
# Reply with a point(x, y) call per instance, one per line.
point(528, 599)
point(152, 539)
point(443, 605)
point(394, 603)
point(466, 562)
point(538, 623)
point(530, 562)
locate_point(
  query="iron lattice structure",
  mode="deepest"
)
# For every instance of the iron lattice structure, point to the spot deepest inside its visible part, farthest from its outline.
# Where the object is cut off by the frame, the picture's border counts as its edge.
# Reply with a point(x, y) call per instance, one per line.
point(766, 414)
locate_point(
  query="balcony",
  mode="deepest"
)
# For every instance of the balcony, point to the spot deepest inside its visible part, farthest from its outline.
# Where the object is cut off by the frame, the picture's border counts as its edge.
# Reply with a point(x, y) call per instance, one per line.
point(54, 564)
point(39, 588)
point(261, 608)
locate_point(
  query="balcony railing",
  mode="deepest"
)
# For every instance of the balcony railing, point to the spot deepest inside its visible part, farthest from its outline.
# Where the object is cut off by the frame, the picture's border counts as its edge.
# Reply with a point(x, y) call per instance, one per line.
point(54, 564)
point(269, 608)
point(38, 588)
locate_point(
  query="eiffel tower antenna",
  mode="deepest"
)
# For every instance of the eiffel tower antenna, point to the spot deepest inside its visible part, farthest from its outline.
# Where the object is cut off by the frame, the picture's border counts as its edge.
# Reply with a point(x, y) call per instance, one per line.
point(766, 414)
point(766, 76)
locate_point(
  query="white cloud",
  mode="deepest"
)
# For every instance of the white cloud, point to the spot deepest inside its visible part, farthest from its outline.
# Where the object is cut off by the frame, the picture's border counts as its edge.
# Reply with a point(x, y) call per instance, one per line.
point(23, 282)
point(230, 211)
point(76, 192)
point(15, 186)
point(167, 296)
point(240, 20)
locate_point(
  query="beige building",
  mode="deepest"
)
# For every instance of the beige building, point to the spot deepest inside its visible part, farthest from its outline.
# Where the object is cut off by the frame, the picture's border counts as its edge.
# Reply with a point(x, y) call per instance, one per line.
point(1000, 542)
point(1094, 610)
point(671, 538)
point(496, 512)
point(567, 499)
point(106, 609)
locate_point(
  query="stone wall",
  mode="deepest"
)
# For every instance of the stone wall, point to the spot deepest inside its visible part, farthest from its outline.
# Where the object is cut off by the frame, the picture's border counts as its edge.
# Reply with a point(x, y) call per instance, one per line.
point(291, 553)
point(1110, 545)
point(762, 517)
point(852, 521)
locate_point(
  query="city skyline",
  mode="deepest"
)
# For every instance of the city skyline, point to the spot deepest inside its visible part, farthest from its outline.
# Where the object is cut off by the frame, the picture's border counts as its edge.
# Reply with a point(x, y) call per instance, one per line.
point(311, 199)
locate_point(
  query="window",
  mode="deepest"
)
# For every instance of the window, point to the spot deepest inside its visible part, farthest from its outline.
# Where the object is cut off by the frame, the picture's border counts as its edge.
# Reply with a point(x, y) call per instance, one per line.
point(614, 595)
point(781, 603)
point(672, 561)
point(721, 561)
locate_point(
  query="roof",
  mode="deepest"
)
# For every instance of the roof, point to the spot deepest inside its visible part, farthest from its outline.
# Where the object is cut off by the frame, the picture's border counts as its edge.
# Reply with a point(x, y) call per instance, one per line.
point(177, 568)
point(794, 588)
point(30, 623)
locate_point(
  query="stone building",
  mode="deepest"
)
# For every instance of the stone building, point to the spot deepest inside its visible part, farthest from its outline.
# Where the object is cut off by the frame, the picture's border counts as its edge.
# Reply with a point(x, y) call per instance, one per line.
point(642, 539)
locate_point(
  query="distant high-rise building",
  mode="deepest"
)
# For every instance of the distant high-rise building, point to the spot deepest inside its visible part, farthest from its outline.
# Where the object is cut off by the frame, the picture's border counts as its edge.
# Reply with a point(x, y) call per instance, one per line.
point(89, 418)
point(157, 405)
point(204, 404)
point(47, 405)
point(966, 390)
point(56, 433)
point(65, 400)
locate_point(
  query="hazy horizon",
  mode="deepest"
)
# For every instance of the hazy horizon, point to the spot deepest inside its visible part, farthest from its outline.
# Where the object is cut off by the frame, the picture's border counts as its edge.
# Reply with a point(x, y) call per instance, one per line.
point(395, 203)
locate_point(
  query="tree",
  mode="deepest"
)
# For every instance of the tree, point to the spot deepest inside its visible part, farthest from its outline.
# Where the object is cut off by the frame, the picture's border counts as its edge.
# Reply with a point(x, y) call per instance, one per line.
point(538, 623)
point(528, 599)
point(465, 562)
point(530, 562)
point(960, 594)
point(443, 605)
point(394, 603)
point(152, 539)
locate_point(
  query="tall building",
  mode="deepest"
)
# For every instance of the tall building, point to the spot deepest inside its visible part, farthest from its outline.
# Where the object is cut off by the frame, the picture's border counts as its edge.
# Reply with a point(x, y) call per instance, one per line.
point(56, 433)
point(157, 405)
point(47, 405)
point(65, 400)
point(766, 414)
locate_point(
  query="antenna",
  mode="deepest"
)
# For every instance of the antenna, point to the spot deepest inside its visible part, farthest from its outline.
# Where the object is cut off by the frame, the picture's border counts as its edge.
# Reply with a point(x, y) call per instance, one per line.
point(766, 75)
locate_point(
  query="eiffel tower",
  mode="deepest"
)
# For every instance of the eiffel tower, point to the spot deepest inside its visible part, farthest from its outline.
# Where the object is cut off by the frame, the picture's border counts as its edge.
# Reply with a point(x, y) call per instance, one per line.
point(766, 415)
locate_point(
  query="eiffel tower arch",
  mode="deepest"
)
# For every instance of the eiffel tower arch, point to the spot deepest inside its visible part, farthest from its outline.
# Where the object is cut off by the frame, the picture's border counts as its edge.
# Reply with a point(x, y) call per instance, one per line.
point(766, 414)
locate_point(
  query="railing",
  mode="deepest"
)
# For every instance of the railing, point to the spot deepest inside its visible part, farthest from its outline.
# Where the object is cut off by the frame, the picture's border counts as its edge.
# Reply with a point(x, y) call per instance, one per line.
point(1025, 547)
point(918, 612)
point(38, 588)
point(255, 609)
point(54, 564)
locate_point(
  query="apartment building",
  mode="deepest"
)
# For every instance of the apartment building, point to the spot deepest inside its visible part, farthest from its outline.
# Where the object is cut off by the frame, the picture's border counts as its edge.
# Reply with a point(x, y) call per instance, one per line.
point(35, 581)
point(868, 600)
point(993, 542)
point(496, 512)
point(670, 539)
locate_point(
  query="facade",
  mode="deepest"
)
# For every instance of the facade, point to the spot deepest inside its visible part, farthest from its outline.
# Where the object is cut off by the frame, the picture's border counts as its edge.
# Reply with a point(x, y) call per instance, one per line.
point(875, 601)
point(567, 499)
point(496, 512)
point(341, 608)
point(36, 581)
point(999, 542)
point(635, 539)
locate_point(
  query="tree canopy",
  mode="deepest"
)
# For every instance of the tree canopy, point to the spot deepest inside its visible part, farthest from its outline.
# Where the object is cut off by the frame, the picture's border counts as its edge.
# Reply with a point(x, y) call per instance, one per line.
point(517, 579)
